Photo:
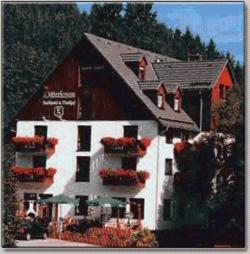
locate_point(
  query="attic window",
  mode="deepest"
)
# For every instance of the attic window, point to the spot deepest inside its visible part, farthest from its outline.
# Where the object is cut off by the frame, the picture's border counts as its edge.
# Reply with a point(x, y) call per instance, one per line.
point(160, 101)
point(176, 104)
point(141, 73)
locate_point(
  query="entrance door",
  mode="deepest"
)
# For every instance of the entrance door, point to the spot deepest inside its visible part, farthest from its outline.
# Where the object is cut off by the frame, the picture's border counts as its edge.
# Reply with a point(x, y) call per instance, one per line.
point(48, 211)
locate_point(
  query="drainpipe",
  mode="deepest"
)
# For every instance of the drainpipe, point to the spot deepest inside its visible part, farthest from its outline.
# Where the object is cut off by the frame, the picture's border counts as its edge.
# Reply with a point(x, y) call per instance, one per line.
point(201, 110)
point(157, 179)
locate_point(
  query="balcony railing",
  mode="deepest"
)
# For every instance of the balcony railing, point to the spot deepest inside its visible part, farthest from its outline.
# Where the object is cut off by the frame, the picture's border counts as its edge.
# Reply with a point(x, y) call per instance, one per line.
point(126, 146)
point(37, 175)
point(36, 144)
point(127, 177)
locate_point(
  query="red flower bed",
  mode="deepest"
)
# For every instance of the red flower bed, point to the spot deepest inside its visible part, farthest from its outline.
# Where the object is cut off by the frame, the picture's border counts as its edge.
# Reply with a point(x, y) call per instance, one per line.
point(35, 172)
point(34, 142)
point(113, 237)
point(107, 237)
point(124, 177)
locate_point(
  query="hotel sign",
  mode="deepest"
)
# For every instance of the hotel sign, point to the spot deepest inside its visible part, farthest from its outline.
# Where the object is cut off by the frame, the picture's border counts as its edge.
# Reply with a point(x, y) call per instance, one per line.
point(58, 100)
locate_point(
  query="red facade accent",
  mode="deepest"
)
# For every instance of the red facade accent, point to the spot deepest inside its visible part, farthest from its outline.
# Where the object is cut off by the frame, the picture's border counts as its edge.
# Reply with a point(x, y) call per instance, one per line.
point(178, 96)
point(224, 82)
point(67, 79)
point(142, 68)
point(225, 79)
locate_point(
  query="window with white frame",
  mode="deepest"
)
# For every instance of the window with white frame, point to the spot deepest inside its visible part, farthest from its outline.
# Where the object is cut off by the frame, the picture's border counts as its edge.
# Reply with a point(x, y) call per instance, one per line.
point(176, 104)
point(160, 101)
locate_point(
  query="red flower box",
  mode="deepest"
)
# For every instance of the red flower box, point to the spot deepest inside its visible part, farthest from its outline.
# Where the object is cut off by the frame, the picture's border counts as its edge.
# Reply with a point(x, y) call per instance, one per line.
point(39, 174)
point(34, 143)
point(126, 145)
point(128, 177)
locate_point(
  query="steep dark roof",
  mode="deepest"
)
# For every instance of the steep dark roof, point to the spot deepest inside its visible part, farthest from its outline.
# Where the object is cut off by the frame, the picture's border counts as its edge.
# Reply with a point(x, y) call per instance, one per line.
point(112, 52)
point(132, 57)
point(190, 74)
point(149, 84)
point(171, 88)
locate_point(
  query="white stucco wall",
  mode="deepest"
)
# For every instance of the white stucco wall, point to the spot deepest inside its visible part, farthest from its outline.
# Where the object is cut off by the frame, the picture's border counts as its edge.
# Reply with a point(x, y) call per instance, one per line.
point(64, 160)
point(165, 186)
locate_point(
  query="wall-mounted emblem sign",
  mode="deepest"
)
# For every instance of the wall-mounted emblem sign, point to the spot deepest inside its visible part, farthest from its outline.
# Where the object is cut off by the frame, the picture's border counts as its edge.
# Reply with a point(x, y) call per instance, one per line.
point(58, 111)
point(59, 101)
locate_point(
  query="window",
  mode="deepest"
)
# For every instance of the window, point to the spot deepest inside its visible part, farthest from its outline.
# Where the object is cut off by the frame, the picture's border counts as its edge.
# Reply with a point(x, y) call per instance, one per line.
point(167, 209)
point(47, 210)
point(84, 138)
point(168, 167)
point(141, 73)
point(176, 104)
point(160, 101)
point(221, 92)
point(30, 197)
point(39, 161)
point(129, 163)
point(131, 131)
point(122, 210)
point(82, 208)
point(41, 130)
point(169, 137)
point(83, 168)
point(137, 207)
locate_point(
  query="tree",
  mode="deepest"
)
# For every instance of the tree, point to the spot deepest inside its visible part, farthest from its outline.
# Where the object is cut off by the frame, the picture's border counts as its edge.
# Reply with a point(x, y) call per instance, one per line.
point(10, 207)
point(36, 39)
point(106, 20)
point(141, 26)
point(211, 50)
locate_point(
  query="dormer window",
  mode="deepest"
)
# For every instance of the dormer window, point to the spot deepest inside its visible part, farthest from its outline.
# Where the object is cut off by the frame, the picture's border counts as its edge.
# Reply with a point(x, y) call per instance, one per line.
point(160, 101)
point(176, 104)
point(141, 73)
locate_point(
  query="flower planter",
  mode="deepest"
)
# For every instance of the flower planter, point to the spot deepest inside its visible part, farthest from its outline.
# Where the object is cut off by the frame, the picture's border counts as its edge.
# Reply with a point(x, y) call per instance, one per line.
point(36, 144)
point(124, 177)
point(125, 146)
point(38, 175)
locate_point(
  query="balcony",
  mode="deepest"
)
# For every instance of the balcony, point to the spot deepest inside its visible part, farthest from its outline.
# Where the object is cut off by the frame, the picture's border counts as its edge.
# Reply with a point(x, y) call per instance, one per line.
point(36, 145)
point(34, 175)
point(126, 146)
point(126, 177)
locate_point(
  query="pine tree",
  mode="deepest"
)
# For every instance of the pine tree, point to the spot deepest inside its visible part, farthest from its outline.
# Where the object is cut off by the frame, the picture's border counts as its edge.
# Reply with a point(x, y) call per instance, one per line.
point(106, 20)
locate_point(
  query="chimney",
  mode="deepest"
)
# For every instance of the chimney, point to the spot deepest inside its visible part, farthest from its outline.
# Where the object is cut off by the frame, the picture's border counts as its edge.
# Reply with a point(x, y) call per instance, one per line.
point(194, 57)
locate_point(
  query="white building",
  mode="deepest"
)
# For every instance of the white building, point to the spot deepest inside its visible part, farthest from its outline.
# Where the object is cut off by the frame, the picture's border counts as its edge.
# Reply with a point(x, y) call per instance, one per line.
point(103, 89)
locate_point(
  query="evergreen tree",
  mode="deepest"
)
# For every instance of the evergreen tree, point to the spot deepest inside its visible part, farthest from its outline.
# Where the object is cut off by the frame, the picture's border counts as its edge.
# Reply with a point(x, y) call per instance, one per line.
point(106, 20)
point(141, 26)
point(211, 50)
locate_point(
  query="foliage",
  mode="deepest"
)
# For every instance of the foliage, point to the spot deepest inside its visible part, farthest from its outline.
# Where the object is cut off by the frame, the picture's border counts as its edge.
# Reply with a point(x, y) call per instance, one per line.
point(37, 38)
point(143, 238)
point(9, 210)
point(217, 180)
